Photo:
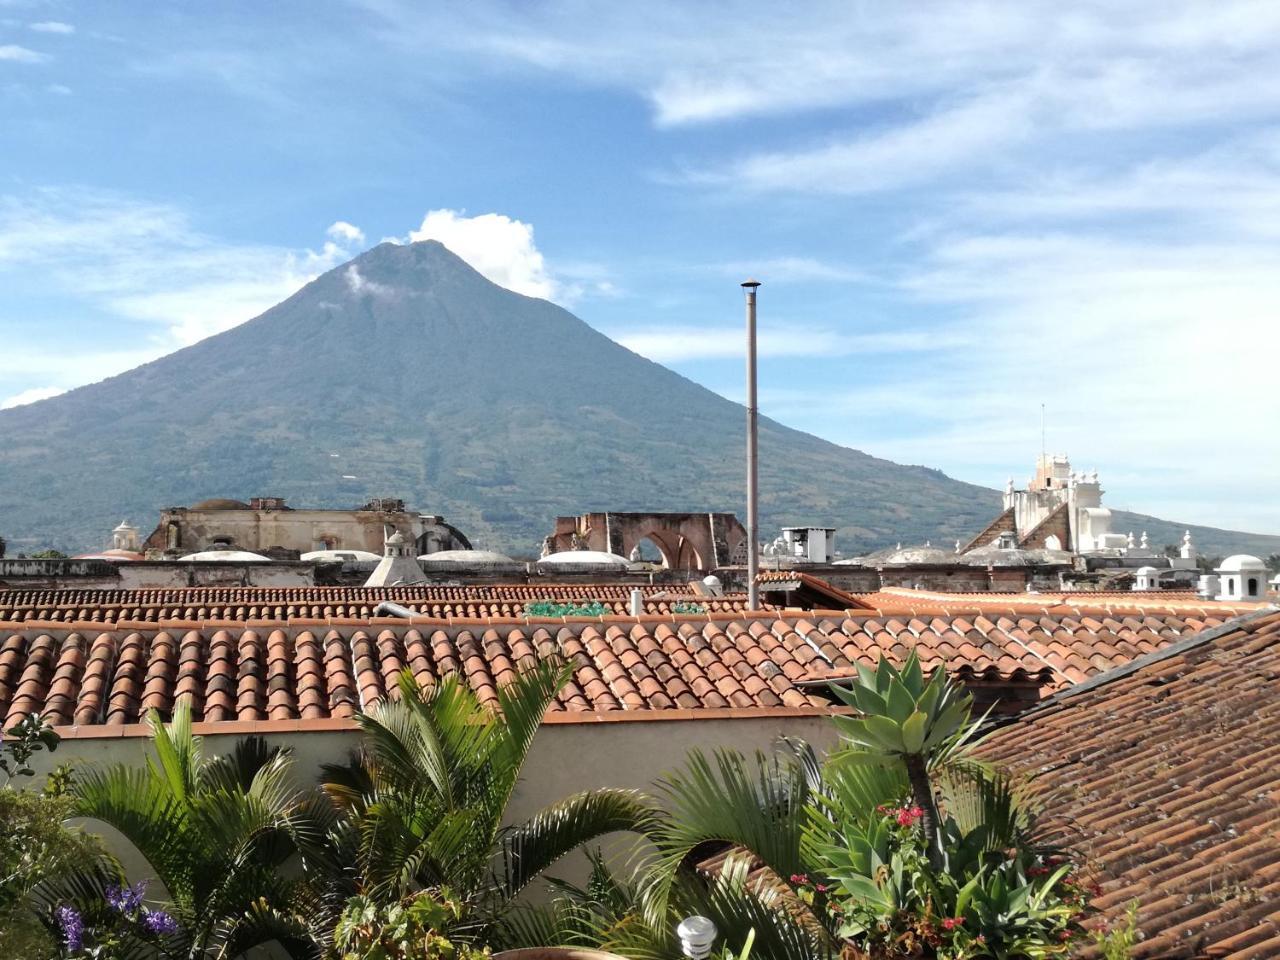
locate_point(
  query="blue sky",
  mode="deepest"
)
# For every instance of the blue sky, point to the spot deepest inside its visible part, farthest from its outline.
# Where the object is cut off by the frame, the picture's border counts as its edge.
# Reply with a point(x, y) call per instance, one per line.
point(958, 211)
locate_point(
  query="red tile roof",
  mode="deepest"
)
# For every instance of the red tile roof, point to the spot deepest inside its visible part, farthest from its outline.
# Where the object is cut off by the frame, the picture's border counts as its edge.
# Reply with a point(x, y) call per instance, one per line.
point(1083, 602)
point(1166, 772)
point(326, 668)
point(505, 600)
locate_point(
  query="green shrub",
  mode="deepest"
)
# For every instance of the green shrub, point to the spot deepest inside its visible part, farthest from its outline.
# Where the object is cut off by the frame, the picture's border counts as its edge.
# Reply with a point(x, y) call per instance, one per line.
point(553, 608)
point(415, 928)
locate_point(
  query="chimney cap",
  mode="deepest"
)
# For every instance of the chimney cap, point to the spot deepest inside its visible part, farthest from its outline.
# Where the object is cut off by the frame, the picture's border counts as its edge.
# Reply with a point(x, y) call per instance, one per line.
point(750, 283)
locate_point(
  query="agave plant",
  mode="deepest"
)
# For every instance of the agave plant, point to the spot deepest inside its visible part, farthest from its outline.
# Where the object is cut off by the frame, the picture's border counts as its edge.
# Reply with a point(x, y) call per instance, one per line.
point(216, 832)
point(423, 804)
point(904, 719)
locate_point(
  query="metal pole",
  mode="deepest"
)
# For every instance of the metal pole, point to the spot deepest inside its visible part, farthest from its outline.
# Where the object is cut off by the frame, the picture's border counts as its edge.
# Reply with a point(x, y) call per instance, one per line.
point(753, 455)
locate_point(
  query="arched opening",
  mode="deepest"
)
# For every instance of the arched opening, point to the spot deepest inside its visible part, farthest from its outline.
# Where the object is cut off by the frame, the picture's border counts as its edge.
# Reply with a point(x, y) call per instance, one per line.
point(672, 550)
point(1253, 587)
point(647, 550)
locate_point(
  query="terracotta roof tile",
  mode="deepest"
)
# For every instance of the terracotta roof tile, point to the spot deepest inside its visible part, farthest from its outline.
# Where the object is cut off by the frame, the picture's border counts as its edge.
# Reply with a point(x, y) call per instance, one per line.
point(1166, 773)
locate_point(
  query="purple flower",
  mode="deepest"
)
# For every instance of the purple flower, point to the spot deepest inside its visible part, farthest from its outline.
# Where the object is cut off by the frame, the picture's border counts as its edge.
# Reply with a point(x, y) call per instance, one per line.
point(159, 923)
point(72, 925)
point(127, 900)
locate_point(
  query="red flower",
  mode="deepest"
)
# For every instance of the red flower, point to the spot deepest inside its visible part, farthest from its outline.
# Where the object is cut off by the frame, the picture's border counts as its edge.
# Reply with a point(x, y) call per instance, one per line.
point(800, 879)
point(980, 938)
point(820, 887)
point(1037, 871)
point(950, 923)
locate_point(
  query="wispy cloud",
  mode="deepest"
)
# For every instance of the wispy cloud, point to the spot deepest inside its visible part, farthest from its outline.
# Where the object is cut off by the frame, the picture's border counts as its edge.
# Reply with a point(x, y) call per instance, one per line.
point(684, 343)
point(30, 396)
point(13, 53)
point(146, 262)
point(52, 26)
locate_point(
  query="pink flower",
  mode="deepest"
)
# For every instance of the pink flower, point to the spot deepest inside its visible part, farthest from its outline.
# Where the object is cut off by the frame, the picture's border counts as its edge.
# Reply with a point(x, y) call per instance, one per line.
point(950, 923)
point(820, 887)
point(800, 879)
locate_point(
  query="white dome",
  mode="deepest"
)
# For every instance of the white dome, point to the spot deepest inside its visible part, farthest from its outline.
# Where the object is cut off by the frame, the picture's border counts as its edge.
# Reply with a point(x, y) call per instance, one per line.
point(586, 559)
point(357, 556)
point(223, 556)
point(465, 560)
point(1145, 572)
point(712, 581)
point(1241, 563)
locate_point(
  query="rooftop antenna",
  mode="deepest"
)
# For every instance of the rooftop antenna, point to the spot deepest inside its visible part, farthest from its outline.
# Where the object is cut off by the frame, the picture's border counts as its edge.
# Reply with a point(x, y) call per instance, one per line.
point(753, 471)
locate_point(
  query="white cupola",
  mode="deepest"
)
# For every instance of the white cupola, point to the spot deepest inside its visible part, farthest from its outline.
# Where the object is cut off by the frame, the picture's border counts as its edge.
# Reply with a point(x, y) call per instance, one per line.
point(1242, 577)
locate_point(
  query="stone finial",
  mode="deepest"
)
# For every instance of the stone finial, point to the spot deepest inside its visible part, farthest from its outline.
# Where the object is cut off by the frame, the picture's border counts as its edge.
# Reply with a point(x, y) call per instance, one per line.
point(1145, 543)
point(957, 546)
point(1093, 475)
point(1132, 542)
point(1008, 487)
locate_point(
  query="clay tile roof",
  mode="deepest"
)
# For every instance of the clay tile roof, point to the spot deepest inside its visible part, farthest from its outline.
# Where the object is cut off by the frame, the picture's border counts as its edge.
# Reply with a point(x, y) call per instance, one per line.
point(442, 602)
point(1166, 773)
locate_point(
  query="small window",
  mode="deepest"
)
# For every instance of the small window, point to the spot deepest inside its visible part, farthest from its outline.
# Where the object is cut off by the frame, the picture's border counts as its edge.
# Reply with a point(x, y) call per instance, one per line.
point(1253, 586)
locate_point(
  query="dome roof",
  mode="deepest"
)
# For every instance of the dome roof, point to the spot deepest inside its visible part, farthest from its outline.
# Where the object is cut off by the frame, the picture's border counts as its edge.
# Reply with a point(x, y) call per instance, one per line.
point(223, 556)
point(220, 503)
point(115, 556)
point(460, 559)
point(992, 555)
point(586, 559)
point(1240, 563)
point(396, 538)
point(922, 555)
point(358, 556)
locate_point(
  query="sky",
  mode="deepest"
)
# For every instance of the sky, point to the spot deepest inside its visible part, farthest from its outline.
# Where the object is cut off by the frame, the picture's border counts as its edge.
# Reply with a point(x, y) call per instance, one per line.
point(959, 212)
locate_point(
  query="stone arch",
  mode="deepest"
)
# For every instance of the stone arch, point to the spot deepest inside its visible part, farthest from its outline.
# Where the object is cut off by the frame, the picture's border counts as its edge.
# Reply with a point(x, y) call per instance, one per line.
point(678, 551)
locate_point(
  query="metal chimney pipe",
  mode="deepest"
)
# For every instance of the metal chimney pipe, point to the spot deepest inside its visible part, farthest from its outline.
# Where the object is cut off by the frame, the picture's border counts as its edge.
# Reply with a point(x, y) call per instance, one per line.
point(753, 454)
point(637, 603)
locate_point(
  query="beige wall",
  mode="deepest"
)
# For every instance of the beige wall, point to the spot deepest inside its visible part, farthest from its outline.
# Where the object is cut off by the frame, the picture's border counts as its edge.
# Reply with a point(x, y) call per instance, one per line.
point(566, 757)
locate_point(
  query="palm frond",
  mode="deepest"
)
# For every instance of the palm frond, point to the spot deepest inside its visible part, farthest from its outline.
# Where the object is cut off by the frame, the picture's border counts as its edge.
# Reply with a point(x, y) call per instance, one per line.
point(760, 807)
point(529, 849)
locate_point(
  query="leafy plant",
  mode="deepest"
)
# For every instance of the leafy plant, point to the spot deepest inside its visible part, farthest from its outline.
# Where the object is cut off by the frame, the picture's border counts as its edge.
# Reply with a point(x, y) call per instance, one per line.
point(29, 735)
point(35, 848)
point(553, 608)
point(903, 719)
point(423, 803)
point(685, 606)
point(217, 832)
point(1117, 942)
point(415, 928)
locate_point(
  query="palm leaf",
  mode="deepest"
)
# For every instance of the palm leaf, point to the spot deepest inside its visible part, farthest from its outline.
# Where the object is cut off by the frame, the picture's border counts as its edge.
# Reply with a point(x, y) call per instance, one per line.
point(532, 847)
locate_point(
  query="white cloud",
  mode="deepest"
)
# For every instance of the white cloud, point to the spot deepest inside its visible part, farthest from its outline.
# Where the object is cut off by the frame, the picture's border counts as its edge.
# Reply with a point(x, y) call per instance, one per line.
point(146, 261)
point(60, 89)
point(791, 270)
point(497, 246)
point(342, 232)
point(359, 284)
point(52, 26)
point(16, 54)
point(683, 343)
point(30, 396)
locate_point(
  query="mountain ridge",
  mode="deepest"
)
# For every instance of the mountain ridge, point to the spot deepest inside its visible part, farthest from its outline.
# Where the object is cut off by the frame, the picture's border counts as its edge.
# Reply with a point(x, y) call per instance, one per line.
point(406, 373)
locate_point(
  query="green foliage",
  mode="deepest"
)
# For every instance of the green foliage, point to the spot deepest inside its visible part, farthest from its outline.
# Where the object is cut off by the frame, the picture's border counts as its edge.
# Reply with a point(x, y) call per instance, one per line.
point(845, 846)
point(684, 606)
point(30, 735)
point(415, 928)
point(555, 608)
point(423, 803)
point(904, 719)
point(216, 832)
point(48, 555)
point(35, 848)
point(1117, 942)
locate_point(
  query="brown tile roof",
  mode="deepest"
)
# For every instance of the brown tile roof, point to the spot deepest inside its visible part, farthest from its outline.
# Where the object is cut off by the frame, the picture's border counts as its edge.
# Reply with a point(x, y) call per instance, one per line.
point(282, 603)
point(1083, 602)
point(327, 668)
point(1166, 772)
